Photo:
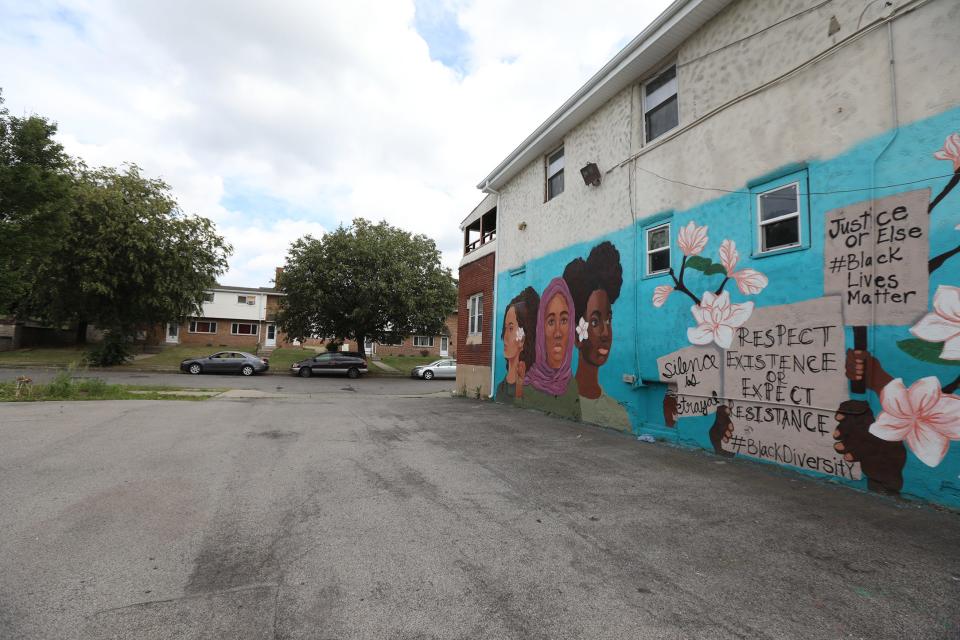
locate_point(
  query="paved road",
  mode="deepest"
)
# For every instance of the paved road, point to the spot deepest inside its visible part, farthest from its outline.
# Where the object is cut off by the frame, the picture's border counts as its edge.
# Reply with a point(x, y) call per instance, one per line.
point(376, 385)
point(366, 516)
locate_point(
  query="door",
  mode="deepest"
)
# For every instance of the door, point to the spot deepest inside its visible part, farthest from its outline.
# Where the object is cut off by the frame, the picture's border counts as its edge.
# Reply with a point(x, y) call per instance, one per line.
point(217, 362)
point(271, 335)
point(173, 333)
point(449, 369)
point(368, 347)
point(234, 362)
point(444, 346)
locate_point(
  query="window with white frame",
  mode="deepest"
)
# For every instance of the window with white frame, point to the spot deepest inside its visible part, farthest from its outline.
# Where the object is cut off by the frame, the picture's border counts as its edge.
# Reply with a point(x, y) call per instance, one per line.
point(554, 164)
point(423, 341)
point(778, 217)
point(246, 299)
point(244, 329)
point(208, 296)
point(475, 314)
point(658, 249)
point(661, 112)
point(202, 326)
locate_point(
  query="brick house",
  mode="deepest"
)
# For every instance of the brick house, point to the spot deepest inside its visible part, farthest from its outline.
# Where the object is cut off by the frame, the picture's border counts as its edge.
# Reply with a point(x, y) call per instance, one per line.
point(442, 345)
point(477, 267)
point(240, 317)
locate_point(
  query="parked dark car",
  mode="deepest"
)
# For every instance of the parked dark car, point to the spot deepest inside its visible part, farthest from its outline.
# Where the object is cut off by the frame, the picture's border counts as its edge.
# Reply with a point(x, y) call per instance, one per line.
point(446, 368)
point(226, 362)
point(351, 363)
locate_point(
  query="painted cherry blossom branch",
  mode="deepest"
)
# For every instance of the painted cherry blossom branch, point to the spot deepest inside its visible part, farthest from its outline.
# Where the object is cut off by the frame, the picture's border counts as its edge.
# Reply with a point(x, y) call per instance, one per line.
point(949, 152)
point(678, 283)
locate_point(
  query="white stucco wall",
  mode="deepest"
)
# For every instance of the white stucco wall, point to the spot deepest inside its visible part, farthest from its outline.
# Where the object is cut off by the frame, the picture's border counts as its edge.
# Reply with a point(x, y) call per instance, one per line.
point(815, 113)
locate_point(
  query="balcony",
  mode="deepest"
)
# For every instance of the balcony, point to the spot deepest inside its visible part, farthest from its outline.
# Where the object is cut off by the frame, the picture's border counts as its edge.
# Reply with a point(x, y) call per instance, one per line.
point(481, 231)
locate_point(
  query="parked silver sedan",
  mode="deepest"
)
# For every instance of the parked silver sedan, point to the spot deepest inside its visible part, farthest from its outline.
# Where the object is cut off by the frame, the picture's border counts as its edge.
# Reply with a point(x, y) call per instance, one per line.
point(438, 369)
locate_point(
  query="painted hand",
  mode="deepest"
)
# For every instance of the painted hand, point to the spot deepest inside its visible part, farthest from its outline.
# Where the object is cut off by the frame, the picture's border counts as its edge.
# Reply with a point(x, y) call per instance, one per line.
point(721, 431)
point(881, 461)
point(861, 365)
point(670, 409)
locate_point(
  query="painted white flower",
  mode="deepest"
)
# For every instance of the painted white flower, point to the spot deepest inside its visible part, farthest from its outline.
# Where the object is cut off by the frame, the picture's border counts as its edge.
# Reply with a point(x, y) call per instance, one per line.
point(660, 295)
point(692, 239)
point(729, 255)
point(943, 325)
point(950, 150)
point(583, 328)
point(717, 318)
point(922, 415)
point(520, 334)
point(750, 281)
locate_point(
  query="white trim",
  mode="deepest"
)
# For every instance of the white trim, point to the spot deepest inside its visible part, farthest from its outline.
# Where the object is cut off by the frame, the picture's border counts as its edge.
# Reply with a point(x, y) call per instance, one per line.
point(761, 223)
point(235, 325)
point(191, 327)
point(648, 251)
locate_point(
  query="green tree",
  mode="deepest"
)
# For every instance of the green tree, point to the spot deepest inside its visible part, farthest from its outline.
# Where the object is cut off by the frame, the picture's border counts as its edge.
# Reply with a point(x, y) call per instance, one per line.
point(129, 258)
point(35, 186)
point(365, 282)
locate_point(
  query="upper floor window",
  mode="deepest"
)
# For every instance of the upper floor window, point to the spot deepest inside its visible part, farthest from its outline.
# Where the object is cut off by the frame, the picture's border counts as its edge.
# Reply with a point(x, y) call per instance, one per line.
point(475, 314)
point(658, 249)
point(246, 299)
point(208, 296)
point(555, 174)
point(778, 217)
point(661, 111)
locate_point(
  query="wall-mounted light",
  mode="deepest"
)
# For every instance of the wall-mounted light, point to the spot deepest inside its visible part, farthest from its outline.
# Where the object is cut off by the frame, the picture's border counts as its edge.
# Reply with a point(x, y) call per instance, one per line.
point(591, 174)
point(522, 226)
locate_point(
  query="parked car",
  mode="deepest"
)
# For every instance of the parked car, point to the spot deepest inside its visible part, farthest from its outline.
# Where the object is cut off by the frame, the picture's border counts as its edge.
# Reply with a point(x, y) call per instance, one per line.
point(351, 363)
point(438, 369)
point(226, 362)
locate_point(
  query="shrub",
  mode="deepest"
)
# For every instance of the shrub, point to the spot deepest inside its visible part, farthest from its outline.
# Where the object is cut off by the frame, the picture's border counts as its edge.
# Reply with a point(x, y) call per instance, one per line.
point(112, 351)
point(334, 346)
point(424, 353)
point(61, 387)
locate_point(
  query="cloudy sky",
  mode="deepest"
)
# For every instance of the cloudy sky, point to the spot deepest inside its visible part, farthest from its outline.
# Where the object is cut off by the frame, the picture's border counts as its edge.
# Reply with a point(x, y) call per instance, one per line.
point(283, 118)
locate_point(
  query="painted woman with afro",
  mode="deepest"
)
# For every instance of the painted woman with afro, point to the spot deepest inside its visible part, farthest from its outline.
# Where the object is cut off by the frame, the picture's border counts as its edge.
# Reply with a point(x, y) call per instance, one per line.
point(595, 284)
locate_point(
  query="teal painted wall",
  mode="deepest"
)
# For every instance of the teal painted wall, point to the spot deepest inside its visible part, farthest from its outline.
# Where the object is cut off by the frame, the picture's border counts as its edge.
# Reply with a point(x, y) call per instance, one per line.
point(642, 333)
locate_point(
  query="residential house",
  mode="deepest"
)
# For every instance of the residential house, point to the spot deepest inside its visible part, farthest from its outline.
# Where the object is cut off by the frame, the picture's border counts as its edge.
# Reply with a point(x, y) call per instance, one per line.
point(742, 234)
point(477, 267)
point(239, 317)
point(441, 346)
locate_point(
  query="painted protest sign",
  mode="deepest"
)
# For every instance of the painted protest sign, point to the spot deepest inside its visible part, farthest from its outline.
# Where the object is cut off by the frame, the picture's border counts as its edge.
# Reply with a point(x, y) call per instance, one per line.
point(783, 377)
point(875, 257)
point(696, 373)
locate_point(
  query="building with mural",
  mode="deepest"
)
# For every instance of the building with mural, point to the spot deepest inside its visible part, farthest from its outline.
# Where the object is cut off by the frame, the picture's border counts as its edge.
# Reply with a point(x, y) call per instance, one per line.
point(475, 289)
point(742, 234)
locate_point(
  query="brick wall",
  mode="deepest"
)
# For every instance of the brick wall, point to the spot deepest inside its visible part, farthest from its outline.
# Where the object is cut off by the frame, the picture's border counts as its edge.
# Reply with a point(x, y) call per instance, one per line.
point(223, 337)
point(475, 277)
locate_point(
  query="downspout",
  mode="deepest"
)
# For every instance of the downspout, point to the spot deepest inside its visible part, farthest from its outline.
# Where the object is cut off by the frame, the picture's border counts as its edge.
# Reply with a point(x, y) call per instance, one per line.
point(496, 270)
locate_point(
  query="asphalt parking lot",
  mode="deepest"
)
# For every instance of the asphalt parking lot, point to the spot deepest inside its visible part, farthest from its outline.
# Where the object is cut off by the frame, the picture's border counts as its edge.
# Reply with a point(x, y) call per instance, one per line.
point(363, 514)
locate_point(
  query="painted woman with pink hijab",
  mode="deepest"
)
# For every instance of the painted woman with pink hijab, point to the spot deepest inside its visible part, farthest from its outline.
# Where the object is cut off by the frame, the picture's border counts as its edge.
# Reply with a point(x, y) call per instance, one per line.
point(549, 385)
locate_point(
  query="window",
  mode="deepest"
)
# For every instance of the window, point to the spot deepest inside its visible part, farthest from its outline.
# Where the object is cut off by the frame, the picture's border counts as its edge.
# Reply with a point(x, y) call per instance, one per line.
point(208, 296)
point(246, 299)
point(658, 249)
point(660, 109)
point(778, 216)
point(202, 326)
point(423, 341)
point(243, 329)
point(555, 174)
point(475, 314)
point(393, 340)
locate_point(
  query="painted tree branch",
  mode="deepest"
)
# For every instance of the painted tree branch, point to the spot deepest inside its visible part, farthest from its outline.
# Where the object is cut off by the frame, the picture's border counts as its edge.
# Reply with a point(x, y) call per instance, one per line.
point(946, 190)
point(950, 388)
point(722, 285)
point(679, 282)
point(936, 262)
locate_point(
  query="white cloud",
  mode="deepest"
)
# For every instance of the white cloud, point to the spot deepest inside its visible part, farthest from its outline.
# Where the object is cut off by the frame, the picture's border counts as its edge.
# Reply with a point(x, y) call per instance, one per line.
point(333, 109)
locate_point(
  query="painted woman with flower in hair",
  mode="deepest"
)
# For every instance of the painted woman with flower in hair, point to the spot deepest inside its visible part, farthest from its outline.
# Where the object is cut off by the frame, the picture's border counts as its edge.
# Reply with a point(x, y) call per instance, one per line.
point(595, 285)
point(519, 341)
point(549, 384)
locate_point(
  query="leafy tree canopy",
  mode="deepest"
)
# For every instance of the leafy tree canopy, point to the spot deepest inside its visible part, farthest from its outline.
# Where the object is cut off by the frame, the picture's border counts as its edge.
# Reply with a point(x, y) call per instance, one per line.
point(365, 281)
point(128, 256)
point(35, 183)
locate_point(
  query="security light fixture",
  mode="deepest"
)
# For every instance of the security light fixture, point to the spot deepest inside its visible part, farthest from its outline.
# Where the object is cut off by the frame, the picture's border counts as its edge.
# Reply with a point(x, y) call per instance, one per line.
point(591, 174)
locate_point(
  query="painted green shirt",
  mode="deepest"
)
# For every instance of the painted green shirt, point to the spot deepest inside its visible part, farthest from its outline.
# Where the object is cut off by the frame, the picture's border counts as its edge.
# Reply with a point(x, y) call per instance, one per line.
point(604, 411)
point(566, 405)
